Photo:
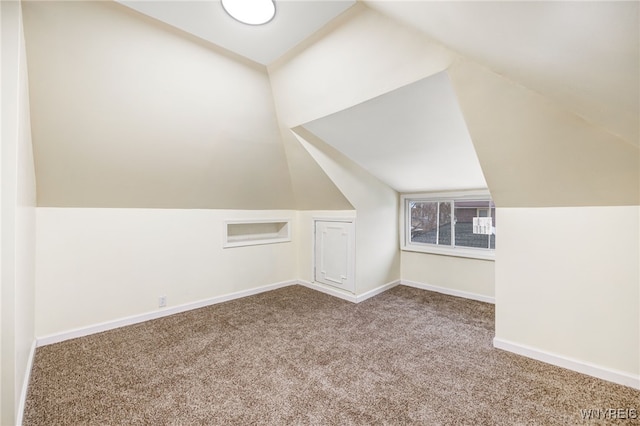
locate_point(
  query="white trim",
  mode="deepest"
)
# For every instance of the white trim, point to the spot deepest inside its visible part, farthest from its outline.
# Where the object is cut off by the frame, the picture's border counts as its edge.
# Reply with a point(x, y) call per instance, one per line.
point(458, 251)
point(369, 294)
point(332, 291)
point(583, 367)
point(450, 291)
point(445, 195)
point(452, 250)
point(350, 297)
point(351, 251)
point(255, 239)
point(25, 384)
point(135, 319)
point(335, 218)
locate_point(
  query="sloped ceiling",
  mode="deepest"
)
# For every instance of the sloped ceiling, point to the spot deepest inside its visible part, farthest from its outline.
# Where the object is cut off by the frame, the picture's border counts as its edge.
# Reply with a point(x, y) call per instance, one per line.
point(128, 111)
point(128, 114)
point(294, 22)
point(583, 54)
point(413, 138)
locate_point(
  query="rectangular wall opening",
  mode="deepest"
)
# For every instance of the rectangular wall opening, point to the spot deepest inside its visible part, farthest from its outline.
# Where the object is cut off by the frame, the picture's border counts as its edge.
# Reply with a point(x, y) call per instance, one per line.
point(253, 232)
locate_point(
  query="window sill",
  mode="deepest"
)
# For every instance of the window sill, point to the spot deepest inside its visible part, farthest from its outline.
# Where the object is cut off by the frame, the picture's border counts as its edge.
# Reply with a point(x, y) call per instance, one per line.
point(469, 253)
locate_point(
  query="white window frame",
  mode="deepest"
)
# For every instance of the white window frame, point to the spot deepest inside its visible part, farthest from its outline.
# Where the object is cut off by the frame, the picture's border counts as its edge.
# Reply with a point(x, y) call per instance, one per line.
point(458, 251)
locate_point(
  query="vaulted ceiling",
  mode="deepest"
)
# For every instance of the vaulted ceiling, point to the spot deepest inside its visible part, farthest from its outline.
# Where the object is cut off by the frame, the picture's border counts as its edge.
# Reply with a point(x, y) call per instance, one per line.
point(583, 54)
point(174, 104)
point(413, 138)
point(294, 22)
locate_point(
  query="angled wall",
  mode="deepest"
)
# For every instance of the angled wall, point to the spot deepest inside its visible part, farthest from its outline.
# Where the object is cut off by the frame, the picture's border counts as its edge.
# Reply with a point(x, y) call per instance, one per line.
point(17, 219)
point(129, 112)
point(377, 253)
point(312, 188)
point(567, 251)
point(536, 154)
point(362, 55)
point(375, 55)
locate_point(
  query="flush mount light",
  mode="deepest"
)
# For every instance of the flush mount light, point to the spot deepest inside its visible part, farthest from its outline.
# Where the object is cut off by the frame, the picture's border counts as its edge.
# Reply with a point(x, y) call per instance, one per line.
point(251, 12)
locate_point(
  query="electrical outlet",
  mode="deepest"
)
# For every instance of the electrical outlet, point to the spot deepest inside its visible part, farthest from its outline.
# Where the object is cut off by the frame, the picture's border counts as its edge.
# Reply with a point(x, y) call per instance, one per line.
point(162, 301)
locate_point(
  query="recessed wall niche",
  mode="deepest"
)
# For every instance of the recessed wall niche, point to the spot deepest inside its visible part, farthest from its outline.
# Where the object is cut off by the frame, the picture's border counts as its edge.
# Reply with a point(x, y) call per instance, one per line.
point(239, 233)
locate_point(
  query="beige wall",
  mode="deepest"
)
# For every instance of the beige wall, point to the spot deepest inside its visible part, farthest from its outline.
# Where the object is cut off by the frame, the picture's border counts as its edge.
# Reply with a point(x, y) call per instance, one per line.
point(17, 218)
point(567, 283)
point(361, 55)
point(98, 265)
point(128, 112)
point(312, 188)
point(458, 274)
point(534, 153)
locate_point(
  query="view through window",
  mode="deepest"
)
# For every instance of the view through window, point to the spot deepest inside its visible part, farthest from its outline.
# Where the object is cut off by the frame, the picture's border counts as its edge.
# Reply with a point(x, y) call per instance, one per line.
point(468, 223)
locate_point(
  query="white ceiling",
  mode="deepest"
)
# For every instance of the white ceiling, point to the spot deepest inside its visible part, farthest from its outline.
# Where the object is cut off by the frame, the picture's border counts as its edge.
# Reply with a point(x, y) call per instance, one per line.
point(295, 20)
point(413, 138)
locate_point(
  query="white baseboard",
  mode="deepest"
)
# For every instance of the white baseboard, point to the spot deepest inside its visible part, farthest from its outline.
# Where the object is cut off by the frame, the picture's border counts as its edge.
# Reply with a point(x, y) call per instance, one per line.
point(449, 291)
point(135, 319)
point(376, 291)
point(25, 384)
point(329, 290)
point(336, 292)
point(589, 369)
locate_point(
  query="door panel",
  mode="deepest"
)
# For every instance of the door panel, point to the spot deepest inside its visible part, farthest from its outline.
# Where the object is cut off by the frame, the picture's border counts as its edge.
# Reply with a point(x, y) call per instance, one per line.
point(334, 245)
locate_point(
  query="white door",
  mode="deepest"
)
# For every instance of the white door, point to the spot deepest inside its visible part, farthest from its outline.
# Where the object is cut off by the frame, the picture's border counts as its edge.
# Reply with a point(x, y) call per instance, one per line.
point(334, 254)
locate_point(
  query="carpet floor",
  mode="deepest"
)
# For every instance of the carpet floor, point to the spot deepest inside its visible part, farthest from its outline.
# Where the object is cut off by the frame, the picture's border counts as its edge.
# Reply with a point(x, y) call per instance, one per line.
point(298, 356)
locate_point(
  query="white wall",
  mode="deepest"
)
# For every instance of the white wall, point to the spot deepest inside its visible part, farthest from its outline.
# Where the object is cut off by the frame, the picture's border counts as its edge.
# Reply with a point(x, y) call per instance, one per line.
point(458, 274)
point(567, 283)
point(17, 216)
point(98, 265)
point(377, 240)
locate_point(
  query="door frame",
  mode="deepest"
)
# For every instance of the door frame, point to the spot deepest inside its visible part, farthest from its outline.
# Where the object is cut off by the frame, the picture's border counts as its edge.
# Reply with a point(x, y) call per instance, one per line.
point(352, 260)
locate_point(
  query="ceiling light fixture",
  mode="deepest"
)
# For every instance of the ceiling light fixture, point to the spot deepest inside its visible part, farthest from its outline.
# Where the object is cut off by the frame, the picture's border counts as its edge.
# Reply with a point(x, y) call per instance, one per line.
point(251, 12)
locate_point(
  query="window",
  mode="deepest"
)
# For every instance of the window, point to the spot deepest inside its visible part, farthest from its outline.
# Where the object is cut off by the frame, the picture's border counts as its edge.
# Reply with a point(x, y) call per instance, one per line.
point(457, 224)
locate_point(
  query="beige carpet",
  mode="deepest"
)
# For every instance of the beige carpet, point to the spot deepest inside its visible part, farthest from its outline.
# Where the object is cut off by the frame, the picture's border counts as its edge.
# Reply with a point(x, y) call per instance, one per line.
point(297, 356)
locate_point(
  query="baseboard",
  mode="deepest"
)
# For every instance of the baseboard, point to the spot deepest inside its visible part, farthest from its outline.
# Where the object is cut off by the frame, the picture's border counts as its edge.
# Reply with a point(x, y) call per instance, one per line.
point(329, 290)
point(336, 292)
point(25, 384)
point(135, 319)
point(376, 291)
point(589, 369)
point(449, 291)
